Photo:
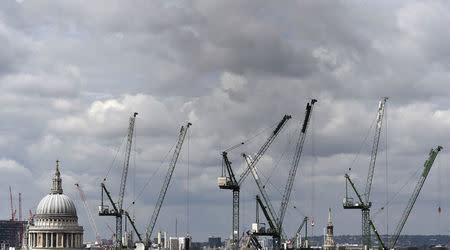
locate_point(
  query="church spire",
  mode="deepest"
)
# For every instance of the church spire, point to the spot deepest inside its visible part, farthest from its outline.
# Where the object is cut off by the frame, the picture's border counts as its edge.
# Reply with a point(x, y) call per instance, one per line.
point(329, 217)
point(329, 243)
point(57, 182)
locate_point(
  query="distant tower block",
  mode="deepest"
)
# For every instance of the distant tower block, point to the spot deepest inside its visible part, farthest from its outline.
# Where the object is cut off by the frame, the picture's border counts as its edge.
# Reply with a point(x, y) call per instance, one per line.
point(329, 243)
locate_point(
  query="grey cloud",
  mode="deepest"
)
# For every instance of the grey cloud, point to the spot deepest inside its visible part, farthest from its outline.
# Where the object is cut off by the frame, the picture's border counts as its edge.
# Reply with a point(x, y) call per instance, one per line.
point(72, 73)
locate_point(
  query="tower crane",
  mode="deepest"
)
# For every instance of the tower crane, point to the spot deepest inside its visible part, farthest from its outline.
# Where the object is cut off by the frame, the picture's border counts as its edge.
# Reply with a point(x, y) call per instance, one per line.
point(278, 220)
point(366, 204)
point(230, 182)
point(88, 212)
point(165, 185)
point(117, 210)
point(295, 161)
point(296, 236)
point(427, 167)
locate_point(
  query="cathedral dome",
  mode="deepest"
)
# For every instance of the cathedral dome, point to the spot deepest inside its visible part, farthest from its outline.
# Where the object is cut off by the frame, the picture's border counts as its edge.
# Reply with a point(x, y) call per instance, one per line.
point(55, 224)
point(57, 205)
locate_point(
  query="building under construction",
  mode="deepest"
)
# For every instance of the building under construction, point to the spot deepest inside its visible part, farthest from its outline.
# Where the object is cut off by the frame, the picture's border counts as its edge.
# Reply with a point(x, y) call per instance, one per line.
point(9, 230)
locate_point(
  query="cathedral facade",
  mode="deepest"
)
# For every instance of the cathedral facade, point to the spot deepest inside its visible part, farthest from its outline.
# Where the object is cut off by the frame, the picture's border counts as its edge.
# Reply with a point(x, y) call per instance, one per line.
point(56, 222)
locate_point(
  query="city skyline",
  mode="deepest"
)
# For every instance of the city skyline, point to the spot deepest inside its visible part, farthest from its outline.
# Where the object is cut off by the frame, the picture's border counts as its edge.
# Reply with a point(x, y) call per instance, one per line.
point(71, 74)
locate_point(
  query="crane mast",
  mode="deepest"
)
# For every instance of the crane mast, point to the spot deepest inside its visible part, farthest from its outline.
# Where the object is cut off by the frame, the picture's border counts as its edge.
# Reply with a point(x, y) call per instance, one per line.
point(295, 161)
point(163, 191)
point(231, 183)
point(427, 167)
point(118, 212)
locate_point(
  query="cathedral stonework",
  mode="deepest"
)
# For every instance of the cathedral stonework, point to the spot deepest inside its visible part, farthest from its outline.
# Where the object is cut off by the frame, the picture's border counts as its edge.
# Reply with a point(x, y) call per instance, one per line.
point(56, 221)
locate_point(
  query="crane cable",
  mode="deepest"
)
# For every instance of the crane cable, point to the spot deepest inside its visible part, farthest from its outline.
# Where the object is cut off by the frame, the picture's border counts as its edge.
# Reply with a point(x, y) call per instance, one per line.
point(280, 158)
point(152, 176)
point(253, 137)
point(259, 133)
point(412, 177)
point(362, 144)
point(115, 157)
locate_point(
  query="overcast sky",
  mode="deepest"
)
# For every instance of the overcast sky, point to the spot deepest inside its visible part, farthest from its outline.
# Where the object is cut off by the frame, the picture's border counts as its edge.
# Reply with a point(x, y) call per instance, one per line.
point(72, 72)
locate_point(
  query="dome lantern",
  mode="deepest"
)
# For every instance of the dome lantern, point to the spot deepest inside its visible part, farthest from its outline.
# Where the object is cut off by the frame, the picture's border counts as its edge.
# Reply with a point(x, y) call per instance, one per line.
point(57, 185)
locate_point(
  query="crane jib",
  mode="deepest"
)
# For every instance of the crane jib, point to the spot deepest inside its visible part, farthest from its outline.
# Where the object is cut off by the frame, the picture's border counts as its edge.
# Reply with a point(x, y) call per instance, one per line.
point(295, 162)
point(166, 183)
point(308, 111)
point(280, 125)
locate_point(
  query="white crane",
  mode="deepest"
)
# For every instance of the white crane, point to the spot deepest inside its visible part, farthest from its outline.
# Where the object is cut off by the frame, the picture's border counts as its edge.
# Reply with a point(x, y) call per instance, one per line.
point(166, 183)
point(117, 210)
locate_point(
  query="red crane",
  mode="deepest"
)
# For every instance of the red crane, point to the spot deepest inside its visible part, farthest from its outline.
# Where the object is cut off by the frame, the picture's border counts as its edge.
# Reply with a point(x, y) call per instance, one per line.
point(110, 241)
point(30, 218)
point(88, 212)
point(20, 221)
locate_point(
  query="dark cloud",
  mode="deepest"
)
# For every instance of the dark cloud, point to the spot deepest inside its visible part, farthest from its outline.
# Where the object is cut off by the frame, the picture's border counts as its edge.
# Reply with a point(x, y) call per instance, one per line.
point(71, 73)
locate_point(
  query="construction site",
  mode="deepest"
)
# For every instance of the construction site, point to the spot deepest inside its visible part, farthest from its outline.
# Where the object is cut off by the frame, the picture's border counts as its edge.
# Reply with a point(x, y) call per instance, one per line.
point(266, 232)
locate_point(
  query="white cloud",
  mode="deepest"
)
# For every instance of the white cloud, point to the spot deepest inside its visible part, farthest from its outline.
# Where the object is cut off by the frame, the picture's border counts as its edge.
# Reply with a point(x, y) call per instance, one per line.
point(72, 74)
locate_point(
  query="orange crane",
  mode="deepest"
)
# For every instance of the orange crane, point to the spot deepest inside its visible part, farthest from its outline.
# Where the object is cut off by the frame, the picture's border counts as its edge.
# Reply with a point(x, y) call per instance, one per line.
point(91, 219)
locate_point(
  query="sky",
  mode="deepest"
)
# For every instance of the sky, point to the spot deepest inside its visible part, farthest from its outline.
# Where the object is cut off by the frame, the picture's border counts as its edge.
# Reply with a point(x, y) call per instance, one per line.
point(72, 72)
